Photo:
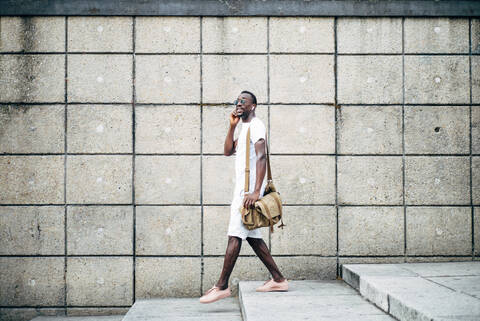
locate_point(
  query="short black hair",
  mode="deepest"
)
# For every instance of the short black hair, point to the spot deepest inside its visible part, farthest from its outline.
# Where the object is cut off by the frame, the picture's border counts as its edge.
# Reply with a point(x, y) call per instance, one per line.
point(254, 99)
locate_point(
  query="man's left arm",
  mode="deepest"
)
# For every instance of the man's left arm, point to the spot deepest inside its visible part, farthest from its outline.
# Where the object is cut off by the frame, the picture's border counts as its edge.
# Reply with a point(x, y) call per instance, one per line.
point(261, 165)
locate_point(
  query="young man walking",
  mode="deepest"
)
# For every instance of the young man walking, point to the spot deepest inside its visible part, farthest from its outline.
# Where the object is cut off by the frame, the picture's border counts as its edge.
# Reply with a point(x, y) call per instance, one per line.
point(245, 110)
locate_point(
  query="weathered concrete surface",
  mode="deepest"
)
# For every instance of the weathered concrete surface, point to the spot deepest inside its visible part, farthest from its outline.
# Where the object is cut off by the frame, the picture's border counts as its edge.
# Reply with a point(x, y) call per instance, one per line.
point(311, 129)
point(369, 129)
point(437, 180)
point(167, 277)
point(99, 281)
point(249, 8)
point(369, 35)
point(420, 291)
point(159, 230)
point(32, 281)
point(32, 129)
point(99, 129)
point(99, 230)
point(307, 300)
point(233, 34)
point(186, 309)
point(76, 318)
point(370, 230)
point(370, 180)
point(296, 79)
point(167, 34)
point(296, 34)
point(32, 230)
point(100, 34)
point(437, 129)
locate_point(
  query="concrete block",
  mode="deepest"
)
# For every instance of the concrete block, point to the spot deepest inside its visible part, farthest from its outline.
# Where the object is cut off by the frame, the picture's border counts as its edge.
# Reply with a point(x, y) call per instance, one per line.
point(311, 129)
point(351, 278)
point(99, 129)
point(475, 36)
point(309, 230)
point(444, 268)
point(167, 129)
point(476, 229)
point(225, 76)
point(431, 259)
point(167, 34)
point(369, 35)
point(218, 179)
point(436, 35)
point(370, 129)
point(32, 34)
point(301, 34)
point(475, 79)
point(246, 268)
point(177, 309)
point(168, 230)
point(31, 179)
point(370, 180)
point(370, 230)
point(100, 78)
point(99, 281)
point(27, 314)
point(467, 284)
point(475, 129)
point(110, 314)
point(99, 230)
point(295, 79)
point(99, 179)
point(32, 230)
point(167, 79)
point(216, 124)
point(234, 34)
point(418, 306)
point(439, 231)
point(32, 78)
point(304, 179)
point(436, 79)
point(167, 277)
point(307, 267)
point(100, 34)
point(167, 180)
point(32, 129)
point(369, 79)
point(437, 129)
point(35, 281)
point(215, 228)
point(476, 180)
point(439, 180)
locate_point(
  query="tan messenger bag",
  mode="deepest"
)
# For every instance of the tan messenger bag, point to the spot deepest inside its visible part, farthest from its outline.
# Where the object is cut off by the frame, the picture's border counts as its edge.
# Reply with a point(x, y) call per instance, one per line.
point(268, 209)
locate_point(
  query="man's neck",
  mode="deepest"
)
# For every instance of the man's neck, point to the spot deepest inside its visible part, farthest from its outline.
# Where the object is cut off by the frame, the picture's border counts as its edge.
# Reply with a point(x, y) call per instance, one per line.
point(249, 118)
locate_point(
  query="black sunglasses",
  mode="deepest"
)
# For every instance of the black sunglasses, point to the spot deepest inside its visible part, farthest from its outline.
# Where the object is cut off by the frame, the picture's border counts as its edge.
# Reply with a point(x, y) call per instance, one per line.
point(242, 101)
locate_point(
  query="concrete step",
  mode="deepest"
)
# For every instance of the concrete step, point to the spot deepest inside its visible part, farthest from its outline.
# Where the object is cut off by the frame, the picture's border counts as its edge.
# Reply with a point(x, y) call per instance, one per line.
point(307, 300)
point(420, 291)
point(82, 318)
point(184, 310)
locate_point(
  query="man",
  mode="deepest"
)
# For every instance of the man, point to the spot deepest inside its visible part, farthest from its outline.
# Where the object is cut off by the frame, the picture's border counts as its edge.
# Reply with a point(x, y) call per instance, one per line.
point(245, 110)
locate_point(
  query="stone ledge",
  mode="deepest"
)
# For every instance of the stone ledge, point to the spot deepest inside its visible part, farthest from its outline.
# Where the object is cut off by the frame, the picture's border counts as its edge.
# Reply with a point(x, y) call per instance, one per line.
point(419, 291)
point(410, 8)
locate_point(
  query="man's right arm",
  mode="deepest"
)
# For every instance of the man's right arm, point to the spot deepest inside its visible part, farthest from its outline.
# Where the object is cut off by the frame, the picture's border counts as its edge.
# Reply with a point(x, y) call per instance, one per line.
point(230, 144)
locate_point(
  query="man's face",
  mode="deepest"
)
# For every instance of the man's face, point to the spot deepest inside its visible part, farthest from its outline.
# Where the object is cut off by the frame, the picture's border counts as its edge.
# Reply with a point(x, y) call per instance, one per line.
point(244, 106)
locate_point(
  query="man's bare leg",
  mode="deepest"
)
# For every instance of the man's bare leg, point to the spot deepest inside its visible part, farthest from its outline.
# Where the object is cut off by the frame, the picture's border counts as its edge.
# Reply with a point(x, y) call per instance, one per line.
point(261, 249)
point(231, 255)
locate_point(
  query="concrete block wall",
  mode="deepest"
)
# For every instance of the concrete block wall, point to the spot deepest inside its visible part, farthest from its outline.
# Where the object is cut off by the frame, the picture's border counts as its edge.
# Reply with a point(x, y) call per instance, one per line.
point(113, 186)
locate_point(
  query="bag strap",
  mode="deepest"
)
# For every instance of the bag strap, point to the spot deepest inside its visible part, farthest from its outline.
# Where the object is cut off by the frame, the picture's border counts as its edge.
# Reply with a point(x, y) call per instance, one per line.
point(247, 162)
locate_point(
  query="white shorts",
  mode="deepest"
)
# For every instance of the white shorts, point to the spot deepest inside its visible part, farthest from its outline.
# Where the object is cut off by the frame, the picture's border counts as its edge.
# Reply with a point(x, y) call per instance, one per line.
point(236, 227)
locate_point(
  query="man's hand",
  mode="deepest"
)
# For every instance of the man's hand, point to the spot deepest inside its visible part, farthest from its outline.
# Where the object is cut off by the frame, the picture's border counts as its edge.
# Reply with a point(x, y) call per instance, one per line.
point(250, 199)
point(234, 119)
